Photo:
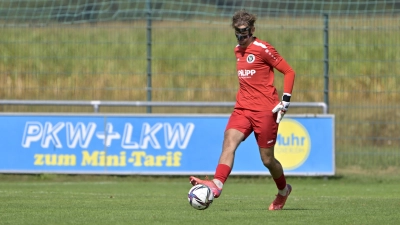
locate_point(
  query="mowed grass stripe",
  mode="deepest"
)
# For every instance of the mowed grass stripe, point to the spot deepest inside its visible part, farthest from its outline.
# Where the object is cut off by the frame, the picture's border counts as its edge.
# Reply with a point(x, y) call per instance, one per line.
point(139, 200)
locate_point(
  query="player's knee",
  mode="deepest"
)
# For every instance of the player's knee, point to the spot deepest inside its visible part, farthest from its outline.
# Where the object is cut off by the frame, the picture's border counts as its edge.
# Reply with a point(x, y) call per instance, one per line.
point(269, 162)
point(267, 157)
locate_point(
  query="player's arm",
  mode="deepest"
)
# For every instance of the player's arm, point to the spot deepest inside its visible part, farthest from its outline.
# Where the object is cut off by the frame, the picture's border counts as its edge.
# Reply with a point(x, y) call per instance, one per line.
point(288, 82)
point(273, 58)
point(289, 76)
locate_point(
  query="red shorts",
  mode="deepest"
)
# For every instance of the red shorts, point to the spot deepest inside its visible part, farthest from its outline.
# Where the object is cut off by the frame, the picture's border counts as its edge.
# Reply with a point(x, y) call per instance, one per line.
point(262, 123)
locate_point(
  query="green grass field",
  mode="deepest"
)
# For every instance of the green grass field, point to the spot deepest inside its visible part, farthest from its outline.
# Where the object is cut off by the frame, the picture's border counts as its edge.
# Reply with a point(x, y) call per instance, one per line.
point(62, 199)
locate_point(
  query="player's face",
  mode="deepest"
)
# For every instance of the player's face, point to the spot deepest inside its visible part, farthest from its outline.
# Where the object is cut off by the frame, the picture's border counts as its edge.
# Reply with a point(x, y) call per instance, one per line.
point(243, 35)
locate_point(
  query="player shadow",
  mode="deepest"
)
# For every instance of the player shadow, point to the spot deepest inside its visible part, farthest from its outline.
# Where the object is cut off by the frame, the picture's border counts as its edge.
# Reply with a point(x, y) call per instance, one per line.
point(298, 209)
point(284, 209)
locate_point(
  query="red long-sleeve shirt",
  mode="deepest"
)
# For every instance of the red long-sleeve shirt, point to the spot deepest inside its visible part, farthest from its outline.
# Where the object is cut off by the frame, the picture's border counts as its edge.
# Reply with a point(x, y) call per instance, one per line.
point(255, 70)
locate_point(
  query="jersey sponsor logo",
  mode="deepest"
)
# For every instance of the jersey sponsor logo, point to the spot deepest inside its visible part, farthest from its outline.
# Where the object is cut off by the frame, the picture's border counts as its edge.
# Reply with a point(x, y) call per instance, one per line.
point(251, 58)
point(246, 73)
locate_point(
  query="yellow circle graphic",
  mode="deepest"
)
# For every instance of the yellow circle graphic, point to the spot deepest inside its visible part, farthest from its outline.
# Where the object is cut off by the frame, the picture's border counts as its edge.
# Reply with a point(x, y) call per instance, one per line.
point(293, 144)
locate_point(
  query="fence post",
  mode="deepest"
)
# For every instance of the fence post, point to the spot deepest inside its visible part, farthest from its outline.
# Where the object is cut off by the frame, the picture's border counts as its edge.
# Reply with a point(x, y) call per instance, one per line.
point(149, 86)
point(326, 60)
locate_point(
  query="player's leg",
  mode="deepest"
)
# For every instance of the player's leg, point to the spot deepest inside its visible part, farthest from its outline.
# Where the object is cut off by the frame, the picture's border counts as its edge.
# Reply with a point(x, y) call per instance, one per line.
point(232, 139)
point(274, 167)
point(276, 170)
point(237, 129)
point(266, 130)
point(268, 159)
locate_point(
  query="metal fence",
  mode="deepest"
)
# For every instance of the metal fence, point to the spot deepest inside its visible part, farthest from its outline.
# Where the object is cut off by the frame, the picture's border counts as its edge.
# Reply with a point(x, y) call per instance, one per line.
point(96, 104)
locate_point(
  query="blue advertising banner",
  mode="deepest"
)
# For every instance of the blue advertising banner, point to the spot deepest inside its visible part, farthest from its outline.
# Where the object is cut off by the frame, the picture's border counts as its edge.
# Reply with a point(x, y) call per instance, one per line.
point(155, 144)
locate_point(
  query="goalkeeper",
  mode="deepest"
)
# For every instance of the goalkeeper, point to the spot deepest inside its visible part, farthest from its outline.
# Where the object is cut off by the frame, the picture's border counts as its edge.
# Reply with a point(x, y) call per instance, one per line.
point(258, 108)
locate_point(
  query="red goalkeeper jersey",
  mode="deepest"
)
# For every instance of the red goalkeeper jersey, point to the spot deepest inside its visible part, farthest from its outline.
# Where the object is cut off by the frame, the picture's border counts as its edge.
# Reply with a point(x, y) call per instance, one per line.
point(255, 70)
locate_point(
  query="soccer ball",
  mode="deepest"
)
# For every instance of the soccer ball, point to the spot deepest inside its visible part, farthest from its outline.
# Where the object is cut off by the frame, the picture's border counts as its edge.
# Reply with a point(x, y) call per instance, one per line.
point(200, 197)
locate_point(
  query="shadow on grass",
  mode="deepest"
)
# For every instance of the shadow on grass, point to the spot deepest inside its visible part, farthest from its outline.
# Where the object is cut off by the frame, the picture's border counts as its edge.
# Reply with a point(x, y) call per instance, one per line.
point(298, 209)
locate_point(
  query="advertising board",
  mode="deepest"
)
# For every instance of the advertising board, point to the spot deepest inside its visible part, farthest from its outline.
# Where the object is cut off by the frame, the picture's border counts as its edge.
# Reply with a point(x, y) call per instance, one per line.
point(155, 144)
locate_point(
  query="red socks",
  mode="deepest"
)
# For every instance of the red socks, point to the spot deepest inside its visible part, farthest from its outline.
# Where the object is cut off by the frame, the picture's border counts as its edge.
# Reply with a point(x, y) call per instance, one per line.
point(280, 182)
point(222, 172)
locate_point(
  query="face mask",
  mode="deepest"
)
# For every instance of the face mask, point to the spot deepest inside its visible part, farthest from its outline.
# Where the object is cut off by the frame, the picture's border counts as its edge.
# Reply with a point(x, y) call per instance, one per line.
point(239, 33)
